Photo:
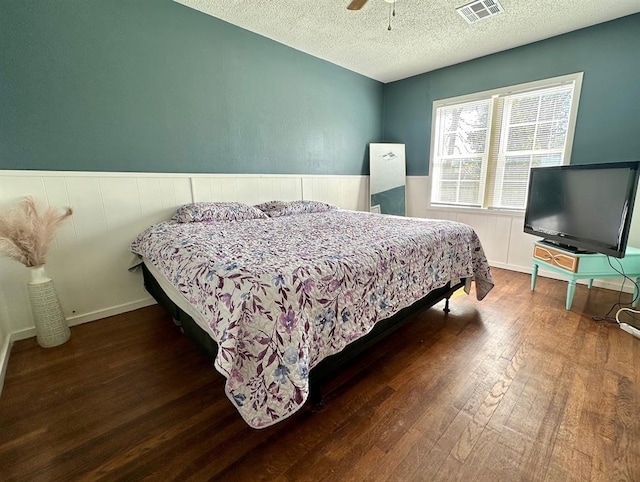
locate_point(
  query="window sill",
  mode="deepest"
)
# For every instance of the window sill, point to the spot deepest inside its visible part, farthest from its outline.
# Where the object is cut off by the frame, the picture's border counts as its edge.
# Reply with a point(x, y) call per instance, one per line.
point(512, 213)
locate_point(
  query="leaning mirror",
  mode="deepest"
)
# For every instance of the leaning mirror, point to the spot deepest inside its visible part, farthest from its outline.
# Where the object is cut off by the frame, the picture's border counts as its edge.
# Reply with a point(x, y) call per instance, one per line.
point(387, 174)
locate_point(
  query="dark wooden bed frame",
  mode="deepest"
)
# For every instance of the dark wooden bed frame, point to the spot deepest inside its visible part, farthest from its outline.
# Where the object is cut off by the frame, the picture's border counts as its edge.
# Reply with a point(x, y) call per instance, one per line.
point(328, 367)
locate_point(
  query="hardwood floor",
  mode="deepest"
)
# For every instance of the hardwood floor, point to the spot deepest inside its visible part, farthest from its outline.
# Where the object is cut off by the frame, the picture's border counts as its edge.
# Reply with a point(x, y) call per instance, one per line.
point(510, 388)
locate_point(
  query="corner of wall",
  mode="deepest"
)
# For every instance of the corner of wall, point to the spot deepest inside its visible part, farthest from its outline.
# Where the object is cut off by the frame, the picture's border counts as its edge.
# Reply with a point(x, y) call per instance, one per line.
point(5, 351)
point(383, 118)
point(6, 340)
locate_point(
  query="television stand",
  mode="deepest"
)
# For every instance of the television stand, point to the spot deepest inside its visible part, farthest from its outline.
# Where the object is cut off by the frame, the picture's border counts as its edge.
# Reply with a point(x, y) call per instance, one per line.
point(575, 266)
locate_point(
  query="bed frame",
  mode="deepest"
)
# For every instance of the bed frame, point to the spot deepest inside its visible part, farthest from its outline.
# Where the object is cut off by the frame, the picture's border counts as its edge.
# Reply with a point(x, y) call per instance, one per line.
point(328, 367)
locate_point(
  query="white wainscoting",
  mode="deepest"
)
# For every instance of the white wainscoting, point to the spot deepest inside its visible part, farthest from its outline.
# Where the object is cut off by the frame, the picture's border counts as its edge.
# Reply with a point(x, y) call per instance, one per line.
point(501, 233)
point(90, 256)
point(348, 192)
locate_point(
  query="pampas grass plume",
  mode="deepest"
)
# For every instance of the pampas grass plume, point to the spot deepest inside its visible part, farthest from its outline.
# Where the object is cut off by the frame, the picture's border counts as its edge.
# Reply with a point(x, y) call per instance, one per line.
point(26, 231)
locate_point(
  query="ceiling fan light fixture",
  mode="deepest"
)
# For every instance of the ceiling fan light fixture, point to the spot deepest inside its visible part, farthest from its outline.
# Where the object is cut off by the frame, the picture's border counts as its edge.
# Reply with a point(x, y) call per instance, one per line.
point(479, 10)
point(358, 4)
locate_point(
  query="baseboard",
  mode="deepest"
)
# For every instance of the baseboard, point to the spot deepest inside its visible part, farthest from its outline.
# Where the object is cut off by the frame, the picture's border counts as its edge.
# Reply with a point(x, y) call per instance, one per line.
point(107, 312)
point(5, 351)
point(609, 284)
point(92, 316)
point(519, 269)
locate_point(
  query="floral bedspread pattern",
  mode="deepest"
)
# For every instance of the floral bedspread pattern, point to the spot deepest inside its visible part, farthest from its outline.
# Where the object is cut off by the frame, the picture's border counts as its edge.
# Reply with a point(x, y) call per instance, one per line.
point(282, 294)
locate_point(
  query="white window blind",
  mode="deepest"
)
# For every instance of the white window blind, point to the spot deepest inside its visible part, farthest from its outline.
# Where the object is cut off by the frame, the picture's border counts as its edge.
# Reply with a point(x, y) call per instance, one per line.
point(483, 149)
point(462, 133)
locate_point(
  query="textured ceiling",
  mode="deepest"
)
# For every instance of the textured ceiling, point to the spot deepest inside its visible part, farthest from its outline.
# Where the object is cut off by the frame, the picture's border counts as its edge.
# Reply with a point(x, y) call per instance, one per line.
point(425, 35)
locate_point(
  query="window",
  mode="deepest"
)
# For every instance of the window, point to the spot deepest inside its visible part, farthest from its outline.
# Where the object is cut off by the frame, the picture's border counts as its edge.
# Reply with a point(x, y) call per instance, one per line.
point(484, 145)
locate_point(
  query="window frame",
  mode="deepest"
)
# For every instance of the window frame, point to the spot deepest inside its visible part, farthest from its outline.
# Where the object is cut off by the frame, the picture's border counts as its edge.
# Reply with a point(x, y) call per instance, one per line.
point(494, 95)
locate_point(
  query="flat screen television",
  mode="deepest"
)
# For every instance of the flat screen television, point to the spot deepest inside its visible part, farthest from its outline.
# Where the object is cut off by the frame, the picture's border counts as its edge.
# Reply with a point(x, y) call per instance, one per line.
point(583, 207)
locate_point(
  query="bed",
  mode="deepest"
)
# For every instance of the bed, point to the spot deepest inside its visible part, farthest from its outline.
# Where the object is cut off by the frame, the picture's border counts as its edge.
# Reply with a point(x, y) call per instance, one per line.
point(289, 291)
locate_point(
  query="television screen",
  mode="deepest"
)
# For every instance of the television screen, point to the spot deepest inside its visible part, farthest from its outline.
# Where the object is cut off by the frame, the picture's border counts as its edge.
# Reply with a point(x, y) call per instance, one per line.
point(583, 207)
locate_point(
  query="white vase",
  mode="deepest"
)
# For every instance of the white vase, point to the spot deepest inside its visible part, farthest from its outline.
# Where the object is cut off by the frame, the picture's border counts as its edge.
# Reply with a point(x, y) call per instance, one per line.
point(51, 324)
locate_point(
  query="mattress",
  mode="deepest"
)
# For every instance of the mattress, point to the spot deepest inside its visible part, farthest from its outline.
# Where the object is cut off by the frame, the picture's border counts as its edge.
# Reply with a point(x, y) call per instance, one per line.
point(175, 296)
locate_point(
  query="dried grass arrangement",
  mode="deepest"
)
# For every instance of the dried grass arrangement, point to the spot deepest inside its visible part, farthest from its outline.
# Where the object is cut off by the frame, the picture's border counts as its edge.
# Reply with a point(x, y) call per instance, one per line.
point(26, 231)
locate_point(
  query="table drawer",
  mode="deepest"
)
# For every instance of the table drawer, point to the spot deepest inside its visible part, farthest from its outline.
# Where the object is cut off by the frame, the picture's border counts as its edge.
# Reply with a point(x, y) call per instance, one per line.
point(556, 257)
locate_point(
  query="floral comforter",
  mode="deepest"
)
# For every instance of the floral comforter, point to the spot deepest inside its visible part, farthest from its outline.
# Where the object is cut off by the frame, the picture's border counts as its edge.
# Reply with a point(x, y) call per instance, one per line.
point(282, 294)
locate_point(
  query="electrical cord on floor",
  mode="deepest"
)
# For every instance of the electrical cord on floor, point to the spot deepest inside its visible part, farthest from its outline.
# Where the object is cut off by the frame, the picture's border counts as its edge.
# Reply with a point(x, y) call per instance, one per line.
point(628, 327)
point(630, 310)
point(636, 292)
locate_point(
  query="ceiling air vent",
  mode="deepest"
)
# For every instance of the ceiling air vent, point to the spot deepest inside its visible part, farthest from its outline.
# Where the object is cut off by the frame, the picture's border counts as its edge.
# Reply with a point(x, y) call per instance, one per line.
point(480, 9)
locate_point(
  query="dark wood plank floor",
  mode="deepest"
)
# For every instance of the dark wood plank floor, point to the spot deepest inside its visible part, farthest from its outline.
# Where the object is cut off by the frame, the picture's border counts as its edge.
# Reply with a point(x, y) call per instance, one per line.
point(510, 388)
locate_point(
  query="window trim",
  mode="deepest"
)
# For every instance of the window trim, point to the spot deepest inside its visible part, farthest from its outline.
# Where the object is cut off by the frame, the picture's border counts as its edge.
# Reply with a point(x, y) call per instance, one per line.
point(575, 78)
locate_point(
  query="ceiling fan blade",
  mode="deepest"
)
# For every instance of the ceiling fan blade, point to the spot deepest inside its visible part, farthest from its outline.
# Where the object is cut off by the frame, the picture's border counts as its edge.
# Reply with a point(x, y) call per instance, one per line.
point(356, 4)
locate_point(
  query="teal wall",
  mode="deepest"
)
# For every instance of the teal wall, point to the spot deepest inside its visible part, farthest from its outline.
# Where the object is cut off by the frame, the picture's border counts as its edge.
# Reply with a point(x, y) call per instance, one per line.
point(608, 125)
point(151, 85)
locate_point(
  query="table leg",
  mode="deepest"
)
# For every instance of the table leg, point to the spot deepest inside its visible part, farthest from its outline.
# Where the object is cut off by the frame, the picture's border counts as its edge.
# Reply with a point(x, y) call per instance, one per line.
point(571, 289)
point(590, 283)
point(534, 276)
point(636, 294)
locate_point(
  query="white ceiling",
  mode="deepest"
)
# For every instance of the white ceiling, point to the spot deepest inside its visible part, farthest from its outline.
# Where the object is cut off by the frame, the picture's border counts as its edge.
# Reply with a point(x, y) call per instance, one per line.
point(425, 35)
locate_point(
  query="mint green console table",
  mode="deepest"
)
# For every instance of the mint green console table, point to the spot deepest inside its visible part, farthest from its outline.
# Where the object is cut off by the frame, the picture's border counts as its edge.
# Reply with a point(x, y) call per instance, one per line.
point(574, 266)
